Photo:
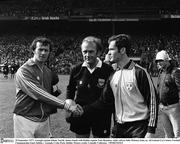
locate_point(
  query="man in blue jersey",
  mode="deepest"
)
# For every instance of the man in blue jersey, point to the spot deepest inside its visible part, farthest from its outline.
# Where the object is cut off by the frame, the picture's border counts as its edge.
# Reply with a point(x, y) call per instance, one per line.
point(130, 92)
point(34, 99)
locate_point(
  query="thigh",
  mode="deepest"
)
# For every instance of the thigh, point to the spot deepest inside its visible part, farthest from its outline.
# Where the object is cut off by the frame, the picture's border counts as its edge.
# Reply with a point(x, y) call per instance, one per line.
point(80, 125)
point(166, 123)
point(118, 130)
point(136, 129)
point(101, 126)
point(175, 119)
point(23, 128)
point(43, 130)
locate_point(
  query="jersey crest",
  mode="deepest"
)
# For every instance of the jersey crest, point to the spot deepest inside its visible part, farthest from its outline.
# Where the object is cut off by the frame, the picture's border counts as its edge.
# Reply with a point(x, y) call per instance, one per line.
point(101, 82)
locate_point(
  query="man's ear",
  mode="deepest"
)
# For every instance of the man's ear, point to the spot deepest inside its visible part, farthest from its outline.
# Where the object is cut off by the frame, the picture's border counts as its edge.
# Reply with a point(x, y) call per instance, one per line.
point(123, 50)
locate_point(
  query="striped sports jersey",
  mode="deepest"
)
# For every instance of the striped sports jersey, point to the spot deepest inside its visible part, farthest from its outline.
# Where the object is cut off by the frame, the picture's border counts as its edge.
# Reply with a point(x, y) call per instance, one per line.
point(33, 92)
point(131, 94)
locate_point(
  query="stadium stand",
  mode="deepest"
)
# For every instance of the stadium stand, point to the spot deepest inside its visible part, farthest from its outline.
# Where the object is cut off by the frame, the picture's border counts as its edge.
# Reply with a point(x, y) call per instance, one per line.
point(16, 47)
point(148, 37)
point(88, 7)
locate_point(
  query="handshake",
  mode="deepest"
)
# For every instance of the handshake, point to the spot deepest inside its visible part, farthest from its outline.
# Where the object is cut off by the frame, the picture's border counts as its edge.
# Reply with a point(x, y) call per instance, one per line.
point(72, 108)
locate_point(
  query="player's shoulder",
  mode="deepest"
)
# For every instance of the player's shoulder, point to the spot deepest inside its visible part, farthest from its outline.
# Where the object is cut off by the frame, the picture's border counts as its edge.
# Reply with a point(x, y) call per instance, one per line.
point(139, 67)
point(139, 70)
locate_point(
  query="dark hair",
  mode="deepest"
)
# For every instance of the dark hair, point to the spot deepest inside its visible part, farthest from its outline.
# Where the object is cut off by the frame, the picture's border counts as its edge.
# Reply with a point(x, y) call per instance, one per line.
point(122, 40)
point(43, 40)
point(95, 40)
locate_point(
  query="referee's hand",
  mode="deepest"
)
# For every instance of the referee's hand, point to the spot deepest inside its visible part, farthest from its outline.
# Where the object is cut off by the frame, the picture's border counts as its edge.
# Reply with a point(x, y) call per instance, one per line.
point(78, 112)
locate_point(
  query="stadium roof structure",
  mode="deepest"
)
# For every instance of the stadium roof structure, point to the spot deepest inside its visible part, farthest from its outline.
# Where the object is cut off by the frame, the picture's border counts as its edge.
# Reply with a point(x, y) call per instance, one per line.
point(89, 10)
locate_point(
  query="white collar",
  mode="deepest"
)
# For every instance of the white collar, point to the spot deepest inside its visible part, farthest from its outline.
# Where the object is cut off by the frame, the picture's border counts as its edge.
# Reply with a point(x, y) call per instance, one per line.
point(98, 65)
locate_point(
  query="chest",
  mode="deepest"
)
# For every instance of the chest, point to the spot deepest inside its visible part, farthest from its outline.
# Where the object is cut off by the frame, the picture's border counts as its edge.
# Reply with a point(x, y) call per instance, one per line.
point(166, 79)
point(91, 80)
point(124, 79)
point(43, 77)
point(123, 76)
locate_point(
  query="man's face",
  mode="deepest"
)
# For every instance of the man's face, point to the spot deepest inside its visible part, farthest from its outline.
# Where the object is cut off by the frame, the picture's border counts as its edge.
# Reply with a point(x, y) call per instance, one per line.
point(161, 64)
point(113, 53)
point(41, 52)
point(89, 53)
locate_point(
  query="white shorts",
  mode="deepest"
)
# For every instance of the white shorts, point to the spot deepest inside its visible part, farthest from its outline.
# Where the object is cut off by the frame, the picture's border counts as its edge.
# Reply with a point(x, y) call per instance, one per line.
point(25, 128)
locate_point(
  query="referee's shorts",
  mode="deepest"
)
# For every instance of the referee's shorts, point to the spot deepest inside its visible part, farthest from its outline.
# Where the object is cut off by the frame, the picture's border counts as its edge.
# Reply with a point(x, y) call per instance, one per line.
point(99, 124)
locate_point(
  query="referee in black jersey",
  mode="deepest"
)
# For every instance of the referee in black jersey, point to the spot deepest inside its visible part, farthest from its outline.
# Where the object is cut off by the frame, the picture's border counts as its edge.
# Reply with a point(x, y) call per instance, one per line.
point(85, 86)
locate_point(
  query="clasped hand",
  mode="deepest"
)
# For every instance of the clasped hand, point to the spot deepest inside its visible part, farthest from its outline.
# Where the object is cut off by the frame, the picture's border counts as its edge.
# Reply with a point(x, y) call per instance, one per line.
point(76, 110)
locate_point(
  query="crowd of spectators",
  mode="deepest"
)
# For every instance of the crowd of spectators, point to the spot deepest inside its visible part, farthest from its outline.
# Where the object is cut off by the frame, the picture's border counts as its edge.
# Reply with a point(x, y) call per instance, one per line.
point(67, 52)
point(21, 8)
point(24, 8)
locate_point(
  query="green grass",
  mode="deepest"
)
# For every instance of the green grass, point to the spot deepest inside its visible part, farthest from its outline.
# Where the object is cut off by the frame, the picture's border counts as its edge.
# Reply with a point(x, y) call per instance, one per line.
point(59, 127)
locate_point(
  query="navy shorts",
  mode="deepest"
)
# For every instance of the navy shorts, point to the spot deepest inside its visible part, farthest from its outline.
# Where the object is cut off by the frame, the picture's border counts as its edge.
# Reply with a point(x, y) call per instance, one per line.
point(99, 124)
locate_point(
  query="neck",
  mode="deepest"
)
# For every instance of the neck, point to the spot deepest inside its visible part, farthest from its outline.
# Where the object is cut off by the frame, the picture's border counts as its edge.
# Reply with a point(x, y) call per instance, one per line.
point(40, 64)
point(123, 62)
point(93, 65)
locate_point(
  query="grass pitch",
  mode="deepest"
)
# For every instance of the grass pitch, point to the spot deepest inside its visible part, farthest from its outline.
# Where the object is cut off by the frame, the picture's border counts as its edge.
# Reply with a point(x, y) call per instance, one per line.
point(59, 127)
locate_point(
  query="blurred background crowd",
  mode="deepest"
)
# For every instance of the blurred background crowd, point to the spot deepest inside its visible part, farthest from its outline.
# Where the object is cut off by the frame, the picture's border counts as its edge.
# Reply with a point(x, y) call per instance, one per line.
point(87, 7)
point(148, 36)
point(67, 50)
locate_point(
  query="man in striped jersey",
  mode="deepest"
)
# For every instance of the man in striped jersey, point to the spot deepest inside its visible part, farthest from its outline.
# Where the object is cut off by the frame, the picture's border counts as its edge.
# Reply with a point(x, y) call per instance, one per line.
point(130, 91)
point(34, 101)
